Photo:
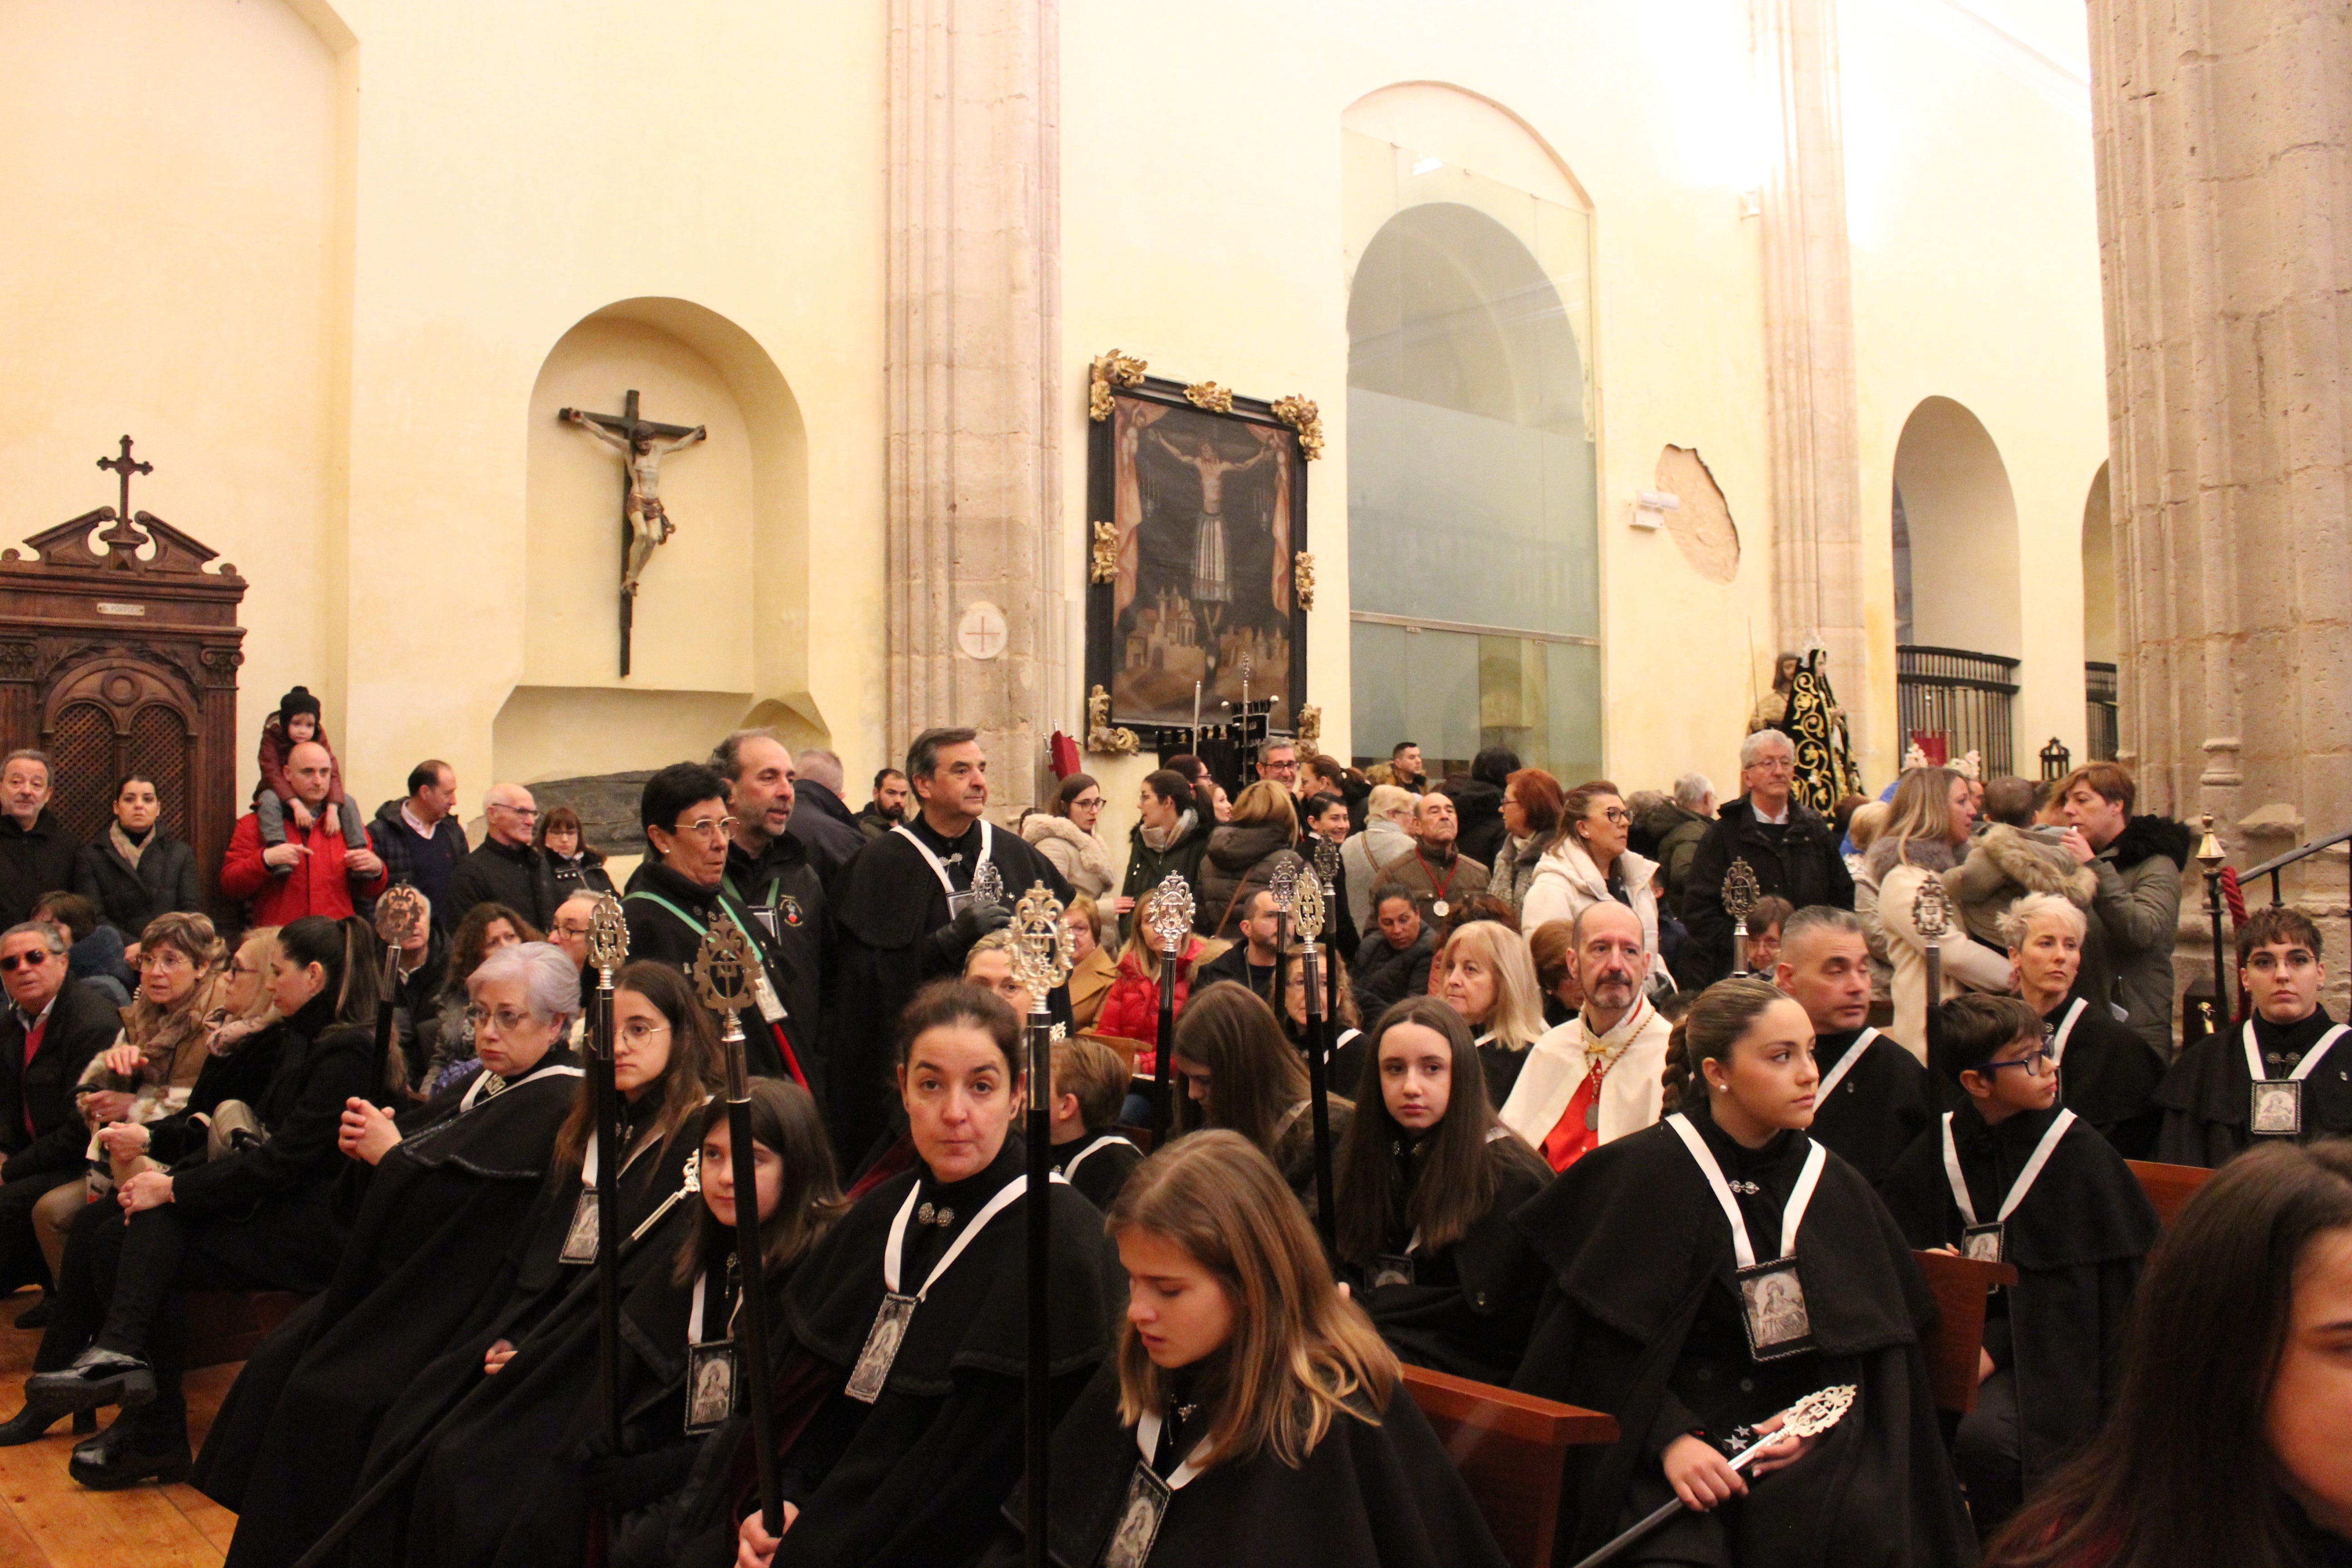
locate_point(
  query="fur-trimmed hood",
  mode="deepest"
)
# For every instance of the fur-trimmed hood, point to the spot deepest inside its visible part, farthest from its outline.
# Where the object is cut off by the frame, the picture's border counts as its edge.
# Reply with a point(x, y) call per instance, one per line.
point(2146, 835)
point(1928, 854)
point(2002, 855)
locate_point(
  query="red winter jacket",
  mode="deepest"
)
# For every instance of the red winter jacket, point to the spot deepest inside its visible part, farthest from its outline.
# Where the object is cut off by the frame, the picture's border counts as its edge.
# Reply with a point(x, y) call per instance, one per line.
point(318, 885)
point(1130, 1010)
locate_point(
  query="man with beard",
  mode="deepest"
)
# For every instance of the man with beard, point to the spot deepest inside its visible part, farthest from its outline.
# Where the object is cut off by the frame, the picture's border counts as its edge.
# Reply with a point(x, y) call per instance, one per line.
point(768, 874)
point(1599, 1075)
point(904, 913)
point(888, 806)
point(1873, 1100)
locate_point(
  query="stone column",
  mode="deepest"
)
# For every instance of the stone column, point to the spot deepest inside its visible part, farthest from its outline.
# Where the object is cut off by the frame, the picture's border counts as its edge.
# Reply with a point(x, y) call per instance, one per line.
point(2224, 142)
point(973, 336)
point(1810, 362)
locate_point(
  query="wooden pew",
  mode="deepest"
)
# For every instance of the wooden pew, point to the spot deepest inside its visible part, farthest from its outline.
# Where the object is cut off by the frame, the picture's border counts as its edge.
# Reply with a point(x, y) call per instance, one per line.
point(229, 1325)
point(1961, 1286)
point(2168, 1186)
point(1512, 1451)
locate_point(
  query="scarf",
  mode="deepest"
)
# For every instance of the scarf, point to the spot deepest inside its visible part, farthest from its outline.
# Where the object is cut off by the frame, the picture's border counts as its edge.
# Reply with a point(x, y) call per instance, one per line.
point(1157, 839)
point(130, 848)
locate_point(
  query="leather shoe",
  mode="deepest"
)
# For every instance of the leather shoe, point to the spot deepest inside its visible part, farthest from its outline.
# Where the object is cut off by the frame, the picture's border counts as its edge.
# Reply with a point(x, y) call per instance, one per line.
point(96, 1378)
point(38, 1314)
point(115, 1459)
point(32, 1423)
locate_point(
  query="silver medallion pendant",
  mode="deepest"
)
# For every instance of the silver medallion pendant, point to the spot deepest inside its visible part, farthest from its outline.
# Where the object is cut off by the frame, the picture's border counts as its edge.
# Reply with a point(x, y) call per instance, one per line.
point(1139, 1513)
point(580, 1236)
point(712, 1387)
point(2276, 1110)
point(1986, 1242)
point(1440, 907)
point(872, 1373)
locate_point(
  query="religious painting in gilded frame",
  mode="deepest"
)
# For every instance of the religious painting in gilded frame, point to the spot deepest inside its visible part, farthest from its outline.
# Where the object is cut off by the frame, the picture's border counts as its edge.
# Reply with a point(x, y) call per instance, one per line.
point(1199, 569)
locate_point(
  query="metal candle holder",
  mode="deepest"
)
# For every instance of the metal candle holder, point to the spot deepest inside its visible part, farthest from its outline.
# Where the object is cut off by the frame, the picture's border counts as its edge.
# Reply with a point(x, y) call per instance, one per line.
point(1043, 956)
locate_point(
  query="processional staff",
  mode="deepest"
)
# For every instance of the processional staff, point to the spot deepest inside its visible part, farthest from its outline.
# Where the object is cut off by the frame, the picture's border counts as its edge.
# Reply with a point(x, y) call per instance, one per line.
point(608, 949)
point(724, 979)
point(1307, 911)
point(1931, 917)
point(1740, 896)
point(400, 914)
point(1327, 867)
point(1043, 957)
point(1170, 923)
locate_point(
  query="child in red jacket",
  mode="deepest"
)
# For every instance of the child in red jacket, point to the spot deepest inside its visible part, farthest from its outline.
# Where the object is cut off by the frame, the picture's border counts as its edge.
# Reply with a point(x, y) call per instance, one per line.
point(1130, 1008)
point(295, 722)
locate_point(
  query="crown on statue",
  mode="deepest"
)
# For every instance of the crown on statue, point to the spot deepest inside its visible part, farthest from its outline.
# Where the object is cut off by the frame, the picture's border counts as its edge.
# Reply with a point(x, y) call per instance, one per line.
point(1171, 914)
point(1042, 950)
point(723, 968)
point(608, 934)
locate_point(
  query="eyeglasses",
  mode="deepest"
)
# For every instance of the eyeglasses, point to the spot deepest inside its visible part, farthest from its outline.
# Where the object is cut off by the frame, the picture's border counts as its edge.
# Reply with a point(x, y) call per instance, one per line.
point(235, 967)
point(636, 1032)
point(2034, 1062)
point(36, 959)
point(572, 928)
point(164, 958)
point(508, 1019)
point(706, 828)
point(1618, 814)
point(526, 812)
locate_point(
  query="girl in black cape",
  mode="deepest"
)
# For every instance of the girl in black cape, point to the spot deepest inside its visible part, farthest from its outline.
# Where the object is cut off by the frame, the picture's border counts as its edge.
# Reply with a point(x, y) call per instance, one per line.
point(1271, 1419)
point(440, 1193)
point(420, 1500)
point(1644, 1317)
point(1240, 1073)
point(2076, 1227)
point(912, 1311)
point(1427, 1180)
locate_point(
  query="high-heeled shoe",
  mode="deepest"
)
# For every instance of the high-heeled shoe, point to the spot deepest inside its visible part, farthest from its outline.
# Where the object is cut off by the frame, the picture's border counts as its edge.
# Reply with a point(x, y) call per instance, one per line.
point(34, 1421)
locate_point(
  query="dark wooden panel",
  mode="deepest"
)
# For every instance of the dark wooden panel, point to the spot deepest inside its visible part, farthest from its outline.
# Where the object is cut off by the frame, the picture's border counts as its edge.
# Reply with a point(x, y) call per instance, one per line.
point(1512, 1451)
point(2167, 1187)
point(1961, 1286)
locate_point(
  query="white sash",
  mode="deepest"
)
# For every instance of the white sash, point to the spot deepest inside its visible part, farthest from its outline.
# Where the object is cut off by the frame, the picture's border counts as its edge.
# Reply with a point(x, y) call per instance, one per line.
point(896, 1248)
point(2302, 1068)
point(694, 1318)
point(1845, 1065)
point(1147, 1437)
point(2025, 1178)
point(939, 866)
point(475, 1092)
point(1091, 1150)
point(2065, 1028)
point(1791, 1216)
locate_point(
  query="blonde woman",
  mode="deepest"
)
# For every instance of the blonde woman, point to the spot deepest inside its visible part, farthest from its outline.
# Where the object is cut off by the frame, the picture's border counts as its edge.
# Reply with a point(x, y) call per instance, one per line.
point(1244, 855)
point(1928, 823)
point(1485, 973)
point(1253, 1415)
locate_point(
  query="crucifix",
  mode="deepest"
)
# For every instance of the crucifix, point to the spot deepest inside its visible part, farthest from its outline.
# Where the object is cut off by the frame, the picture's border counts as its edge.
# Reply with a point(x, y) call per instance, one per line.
point(642, 445)
point(122, 533)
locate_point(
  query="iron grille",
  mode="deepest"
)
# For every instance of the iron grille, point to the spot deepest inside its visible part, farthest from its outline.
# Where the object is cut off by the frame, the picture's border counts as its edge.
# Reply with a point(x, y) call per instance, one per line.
point(2103, 727)
point(1959, 698)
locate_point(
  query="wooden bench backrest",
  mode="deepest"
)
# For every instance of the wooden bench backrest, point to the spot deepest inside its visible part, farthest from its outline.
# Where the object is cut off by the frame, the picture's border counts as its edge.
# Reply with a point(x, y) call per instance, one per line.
point(1951, 1347)
point(1511, 1449)
point(2168, 1186)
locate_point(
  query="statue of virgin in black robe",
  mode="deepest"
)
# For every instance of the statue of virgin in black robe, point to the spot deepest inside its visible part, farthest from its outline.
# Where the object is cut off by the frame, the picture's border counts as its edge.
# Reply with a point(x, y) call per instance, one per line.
point(428, 1260)
point(1641, 1319)
point(430, 1508)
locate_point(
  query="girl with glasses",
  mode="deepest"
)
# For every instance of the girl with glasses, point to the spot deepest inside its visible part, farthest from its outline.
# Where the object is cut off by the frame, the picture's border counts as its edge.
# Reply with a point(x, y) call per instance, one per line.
point(1070, 836)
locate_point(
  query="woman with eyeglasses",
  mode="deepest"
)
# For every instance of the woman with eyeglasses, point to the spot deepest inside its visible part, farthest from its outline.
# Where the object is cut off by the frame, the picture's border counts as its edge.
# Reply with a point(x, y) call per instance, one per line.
point(1070, 836)
point(539, 1327)
point(2012, 1176)
point(445, 1040)
point(440, 1192)
point(243, 1200)
point(1586, 861)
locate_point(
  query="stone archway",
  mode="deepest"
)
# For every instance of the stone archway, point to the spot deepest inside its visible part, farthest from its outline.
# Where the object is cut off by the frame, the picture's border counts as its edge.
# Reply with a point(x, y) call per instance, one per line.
point(1954, 520)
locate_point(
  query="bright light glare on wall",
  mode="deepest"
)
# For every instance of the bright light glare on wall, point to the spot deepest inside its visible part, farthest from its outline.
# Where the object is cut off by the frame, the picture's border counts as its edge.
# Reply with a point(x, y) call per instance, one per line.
point(1710, 112)
point(1428, 165)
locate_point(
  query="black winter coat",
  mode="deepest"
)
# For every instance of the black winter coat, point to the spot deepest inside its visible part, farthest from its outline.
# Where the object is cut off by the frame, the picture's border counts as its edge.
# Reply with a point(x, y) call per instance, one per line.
point(82, 1023)
point(1479, 804)
point(518, 878)
point(1800, 864)
point(164, 882)
point(33, 862)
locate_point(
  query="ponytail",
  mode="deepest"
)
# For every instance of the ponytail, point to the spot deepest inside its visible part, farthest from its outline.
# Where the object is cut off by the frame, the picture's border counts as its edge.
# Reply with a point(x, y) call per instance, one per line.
point(1677, 1076)
point(1707, 1031)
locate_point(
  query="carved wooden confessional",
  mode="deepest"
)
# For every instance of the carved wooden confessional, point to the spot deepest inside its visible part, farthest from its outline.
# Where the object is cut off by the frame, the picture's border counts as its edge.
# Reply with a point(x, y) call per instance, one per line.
point(119, 655)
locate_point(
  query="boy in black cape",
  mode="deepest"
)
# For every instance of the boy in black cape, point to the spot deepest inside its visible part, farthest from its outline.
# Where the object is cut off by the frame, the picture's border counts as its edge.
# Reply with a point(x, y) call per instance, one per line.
point(2077, 1233)
point(1090, 1082)
point(903, 915)
point(1873, 1101)
point(1641, 1318)
point(2209, 1097)
point(427, 1260)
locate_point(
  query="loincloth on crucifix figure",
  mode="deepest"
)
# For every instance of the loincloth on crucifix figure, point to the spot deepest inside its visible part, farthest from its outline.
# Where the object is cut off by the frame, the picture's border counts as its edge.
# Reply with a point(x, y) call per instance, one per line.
point(641, 446)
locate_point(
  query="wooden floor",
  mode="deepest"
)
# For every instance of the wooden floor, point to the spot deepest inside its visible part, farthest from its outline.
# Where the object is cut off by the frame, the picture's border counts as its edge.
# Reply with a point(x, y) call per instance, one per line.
point(47, 1521)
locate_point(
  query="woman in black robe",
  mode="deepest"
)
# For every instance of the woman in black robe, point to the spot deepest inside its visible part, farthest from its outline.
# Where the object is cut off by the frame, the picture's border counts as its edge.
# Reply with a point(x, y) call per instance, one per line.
point(2107, 1074)
point(1271, 1419)
point(1427, 1180)
point(418, 1501)
point(1239, 1073)
point(438, 1192)
point(1644, 1317)
point(904, 1460)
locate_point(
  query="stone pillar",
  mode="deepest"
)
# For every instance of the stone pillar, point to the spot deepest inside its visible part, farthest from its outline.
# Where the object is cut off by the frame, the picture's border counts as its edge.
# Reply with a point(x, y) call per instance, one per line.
point(2223, 137)
point(1809, 360)
point(973, 336)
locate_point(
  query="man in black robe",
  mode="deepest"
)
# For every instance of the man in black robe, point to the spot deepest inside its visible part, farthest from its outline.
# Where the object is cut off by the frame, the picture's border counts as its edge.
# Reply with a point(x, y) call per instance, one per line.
point(2077, 1234)
point(2209, 1097)
point(679, 888)
point(904, 914)
point(1873, 1100)
point(771, 877)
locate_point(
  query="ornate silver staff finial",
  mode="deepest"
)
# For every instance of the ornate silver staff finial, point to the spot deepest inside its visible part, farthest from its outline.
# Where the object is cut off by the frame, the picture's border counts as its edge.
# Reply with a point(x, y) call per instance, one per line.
point(1171, 914)
point(1931, 911)
point(988, 884)
point(608, 937)
point(1740, 896)
point(1283, 884)
point(1307, 908)
point(400, 914)
point(1043, 952)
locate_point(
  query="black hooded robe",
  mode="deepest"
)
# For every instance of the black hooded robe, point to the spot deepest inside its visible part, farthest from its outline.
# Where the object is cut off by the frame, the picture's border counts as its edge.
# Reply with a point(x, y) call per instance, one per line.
point(916, 1478)
point(1876, 1109)
point(1104, 1161)
point(2206, 1097)
point(1640, 1320)
point(448, 1509)
point(2077, 1238)
point(1378, 1491)
point(892, 934)
point(1470, 1303)
point(667, 915)
point(2107, 1076)
point(427, 1257)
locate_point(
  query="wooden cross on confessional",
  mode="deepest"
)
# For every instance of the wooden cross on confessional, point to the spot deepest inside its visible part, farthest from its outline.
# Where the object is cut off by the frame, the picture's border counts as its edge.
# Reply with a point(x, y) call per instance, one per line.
point(122, 533)
point(643, 524)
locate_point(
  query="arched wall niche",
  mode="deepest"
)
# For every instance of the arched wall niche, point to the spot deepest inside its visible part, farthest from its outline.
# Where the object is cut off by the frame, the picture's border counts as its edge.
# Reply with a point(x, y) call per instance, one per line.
point(722, 618)
point(1952, 491)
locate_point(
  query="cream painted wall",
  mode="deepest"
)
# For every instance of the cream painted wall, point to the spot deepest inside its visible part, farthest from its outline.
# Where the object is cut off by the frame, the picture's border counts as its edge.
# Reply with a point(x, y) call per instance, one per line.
point(169, 272)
